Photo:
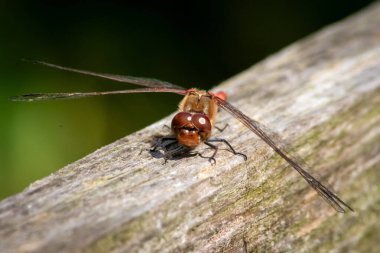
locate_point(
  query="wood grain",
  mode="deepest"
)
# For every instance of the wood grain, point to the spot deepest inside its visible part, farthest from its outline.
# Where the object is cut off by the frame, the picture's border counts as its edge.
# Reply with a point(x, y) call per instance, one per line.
point(322, 94)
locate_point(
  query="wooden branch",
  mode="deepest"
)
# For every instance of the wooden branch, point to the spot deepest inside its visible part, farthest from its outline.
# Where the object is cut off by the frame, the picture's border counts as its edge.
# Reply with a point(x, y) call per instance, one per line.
point(322, 94)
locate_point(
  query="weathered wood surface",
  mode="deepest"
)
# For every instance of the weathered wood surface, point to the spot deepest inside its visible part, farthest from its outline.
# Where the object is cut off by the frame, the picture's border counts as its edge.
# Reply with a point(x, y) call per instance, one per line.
point(322, 94)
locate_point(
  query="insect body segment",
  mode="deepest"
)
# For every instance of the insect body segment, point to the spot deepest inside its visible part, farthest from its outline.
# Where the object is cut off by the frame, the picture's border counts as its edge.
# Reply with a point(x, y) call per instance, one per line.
point(191, 129)
point(199, 101)
point(193, 124)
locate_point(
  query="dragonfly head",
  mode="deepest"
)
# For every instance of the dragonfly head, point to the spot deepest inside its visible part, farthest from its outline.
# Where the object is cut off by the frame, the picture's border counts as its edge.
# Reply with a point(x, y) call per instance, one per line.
point(191, 129)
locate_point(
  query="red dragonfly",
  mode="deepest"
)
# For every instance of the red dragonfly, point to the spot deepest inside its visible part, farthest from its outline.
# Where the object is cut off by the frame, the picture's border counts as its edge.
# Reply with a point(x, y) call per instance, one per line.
point(194, 122)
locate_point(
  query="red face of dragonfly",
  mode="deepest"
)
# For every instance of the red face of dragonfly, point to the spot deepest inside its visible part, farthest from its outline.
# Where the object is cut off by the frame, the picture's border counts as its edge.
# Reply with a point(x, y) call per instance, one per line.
point(191, 129)
point(193, 124)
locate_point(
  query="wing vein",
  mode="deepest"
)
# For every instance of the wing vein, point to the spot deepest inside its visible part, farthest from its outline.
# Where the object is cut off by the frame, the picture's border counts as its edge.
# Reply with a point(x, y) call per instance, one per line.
point(147, 82)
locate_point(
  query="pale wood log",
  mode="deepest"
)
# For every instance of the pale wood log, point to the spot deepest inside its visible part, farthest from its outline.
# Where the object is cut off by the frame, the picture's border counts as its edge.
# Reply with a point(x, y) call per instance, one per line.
point(322, 94)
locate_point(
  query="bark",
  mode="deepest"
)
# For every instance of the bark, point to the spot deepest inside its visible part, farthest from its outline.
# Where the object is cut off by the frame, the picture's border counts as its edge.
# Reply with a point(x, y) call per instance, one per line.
point(321, 94)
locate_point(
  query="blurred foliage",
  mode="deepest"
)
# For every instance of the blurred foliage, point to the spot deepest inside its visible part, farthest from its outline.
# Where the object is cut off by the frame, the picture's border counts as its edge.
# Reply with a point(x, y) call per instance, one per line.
point(197, 43)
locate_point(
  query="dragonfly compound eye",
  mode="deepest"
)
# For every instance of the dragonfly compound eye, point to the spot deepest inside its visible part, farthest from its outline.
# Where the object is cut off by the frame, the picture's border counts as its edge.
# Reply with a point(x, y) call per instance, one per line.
point(182, 119)
point(201, 122)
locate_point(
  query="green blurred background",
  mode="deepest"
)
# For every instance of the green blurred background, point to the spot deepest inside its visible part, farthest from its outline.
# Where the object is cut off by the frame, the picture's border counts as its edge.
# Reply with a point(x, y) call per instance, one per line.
point(192, 43)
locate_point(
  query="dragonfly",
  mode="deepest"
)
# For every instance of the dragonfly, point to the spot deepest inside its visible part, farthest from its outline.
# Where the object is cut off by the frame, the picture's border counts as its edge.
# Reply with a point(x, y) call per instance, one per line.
point(194, 122)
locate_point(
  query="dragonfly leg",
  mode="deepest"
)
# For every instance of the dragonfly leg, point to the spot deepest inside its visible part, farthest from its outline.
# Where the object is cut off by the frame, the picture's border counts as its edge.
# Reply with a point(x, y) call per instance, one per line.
point(211, 159)
point(221, 129)
point(169, 148)
point(233, 151)
point(163, 142)
point(167, 127)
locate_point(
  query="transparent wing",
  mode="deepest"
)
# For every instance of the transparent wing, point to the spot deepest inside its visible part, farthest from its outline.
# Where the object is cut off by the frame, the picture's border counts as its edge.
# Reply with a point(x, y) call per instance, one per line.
point(330, 197)
point(147, 82)
point(51, 96)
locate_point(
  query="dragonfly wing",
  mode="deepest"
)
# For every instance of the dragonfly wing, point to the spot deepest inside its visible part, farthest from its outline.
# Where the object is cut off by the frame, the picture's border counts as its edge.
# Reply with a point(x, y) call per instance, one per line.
point(53, 96)
point(147, 82)
point(280, 148)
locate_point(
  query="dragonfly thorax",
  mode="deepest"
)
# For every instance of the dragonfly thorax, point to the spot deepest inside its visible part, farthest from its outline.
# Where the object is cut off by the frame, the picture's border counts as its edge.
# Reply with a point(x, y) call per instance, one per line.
point(199, 101)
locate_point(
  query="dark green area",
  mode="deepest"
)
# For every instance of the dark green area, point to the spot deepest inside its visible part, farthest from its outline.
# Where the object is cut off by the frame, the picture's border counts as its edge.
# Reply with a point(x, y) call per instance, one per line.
point(191, 44)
